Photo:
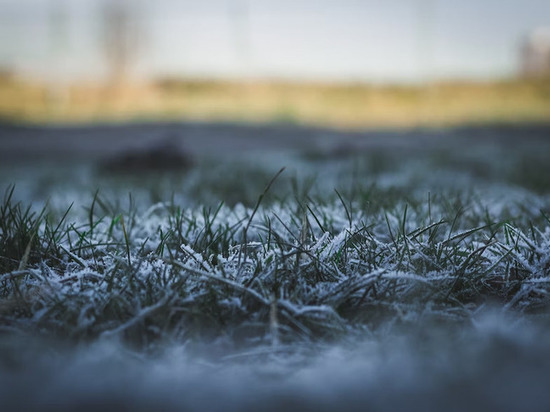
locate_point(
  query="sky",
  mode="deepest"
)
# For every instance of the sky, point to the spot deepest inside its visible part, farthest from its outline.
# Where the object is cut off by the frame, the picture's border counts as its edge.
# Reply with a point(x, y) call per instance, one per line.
point(350, 40)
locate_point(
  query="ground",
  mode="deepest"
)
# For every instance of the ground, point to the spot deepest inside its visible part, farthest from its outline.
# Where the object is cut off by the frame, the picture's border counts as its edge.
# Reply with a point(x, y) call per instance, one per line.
point(198, 265)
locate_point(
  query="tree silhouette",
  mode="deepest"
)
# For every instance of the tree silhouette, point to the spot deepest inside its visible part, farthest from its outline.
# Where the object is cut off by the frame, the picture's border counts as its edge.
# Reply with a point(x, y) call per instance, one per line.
point(120, 39)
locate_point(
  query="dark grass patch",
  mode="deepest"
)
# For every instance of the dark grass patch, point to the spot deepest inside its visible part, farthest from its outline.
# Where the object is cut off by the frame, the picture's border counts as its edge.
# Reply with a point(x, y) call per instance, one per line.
point(294, 269)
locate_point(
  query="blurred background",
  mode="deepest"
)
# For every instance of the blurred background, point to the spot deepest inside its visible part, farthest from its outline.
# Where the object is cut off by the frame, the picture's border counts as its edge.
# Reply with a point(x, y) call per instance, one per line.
point(339, 63)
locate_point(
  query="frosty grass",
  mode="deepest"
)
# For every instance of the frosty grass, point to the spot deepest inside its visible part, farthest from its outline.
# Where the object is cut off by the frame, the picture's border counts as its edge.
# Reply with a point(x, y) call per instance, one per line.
point(308, 269)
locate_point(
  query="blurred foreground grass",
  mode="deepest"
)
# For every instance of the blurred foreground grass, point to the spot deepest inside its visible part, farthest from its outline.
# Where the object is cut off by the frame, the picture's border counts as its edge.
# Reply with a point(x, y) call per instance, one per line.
point(323, 104)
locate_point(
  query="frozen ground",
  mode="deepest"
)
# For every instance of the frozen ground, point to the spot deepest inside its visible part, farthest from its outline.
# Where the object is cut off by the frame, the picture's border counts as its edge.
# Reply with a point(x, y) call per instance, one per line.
point(497, 363)
point(379, 271)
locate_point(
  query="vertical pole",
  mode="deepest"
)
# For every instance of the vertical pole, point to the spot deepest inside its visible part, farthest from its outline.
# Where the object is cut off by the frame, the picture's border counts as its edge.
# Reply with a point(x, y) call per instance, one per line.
point(241, 26)
point(57, 83)
point(425, 39)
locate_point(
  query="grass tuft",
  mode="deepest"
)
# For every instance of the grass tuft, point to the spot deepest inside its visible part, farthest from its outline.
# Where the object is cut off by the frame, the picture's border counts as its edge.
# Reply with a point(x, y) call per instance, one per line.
point(279, 272)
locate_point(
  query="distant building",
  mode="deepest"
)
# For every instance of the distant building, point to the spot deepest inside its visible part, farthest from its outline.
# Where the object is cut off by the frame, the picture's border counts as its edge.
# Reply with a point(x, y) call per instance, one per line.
point(535, 53)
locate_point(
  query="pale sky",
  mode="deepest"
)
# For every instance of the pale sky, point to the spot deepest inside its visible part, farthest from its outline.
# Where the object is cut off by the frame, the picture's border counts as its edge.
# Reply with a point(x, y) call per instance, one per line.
point(351, 40)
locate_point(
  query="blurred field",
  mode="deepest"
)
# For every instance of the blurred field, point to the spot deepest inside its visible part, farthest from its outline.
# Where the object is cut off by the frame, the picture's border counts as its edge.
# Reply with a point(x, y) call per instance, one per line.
point(323, 104)
point(208, 266)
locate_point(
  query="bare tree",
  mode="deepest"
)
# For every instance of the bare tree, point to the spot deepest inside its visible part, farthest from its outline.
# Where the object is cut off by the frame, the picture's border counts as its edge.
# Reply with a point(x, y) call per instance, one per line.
point(239, 14)
point(425, 37)
point(120, 38)
point(59, 39)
